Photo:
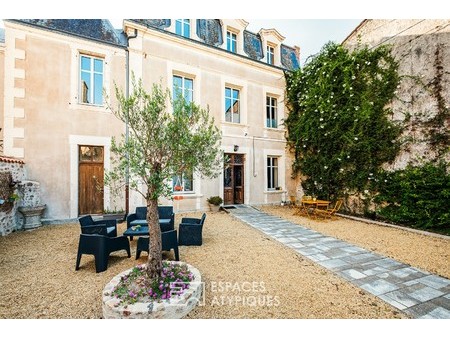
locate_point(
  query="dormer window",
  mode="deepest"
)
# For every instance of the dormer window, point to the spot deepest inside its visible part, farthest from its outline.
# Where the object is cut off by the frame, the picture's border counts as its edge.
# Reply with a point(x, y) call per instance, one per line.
point(183, 27)
point(231, 42)
point(271, 41)
point(270, 55)
point(233, 31)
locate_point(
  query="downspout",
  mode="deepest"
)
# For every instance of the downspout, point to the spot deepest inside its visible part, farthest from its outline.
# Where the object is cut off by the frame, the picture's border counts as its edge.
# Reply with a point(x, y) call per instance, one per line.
point(127, 130)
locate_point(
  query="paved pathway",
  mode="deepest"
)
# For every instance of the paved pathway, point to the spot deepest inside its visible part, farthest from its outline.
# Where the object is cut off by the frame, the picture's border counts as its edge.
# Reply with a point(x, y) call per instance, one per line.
point(417, 293)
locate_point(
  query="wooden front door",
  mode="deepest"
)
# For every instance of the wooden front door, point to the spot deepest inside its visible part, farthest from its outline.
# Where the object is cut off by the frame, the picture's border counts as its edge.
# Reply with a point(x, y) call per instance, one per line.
point(233, 179)
point(90, 180)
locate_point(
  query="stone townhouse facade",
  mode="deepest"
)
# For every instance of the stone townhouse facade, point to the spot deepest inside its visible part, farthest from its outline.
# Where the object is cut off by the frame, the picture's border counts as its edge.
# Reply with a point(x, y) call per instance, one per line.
point(55, 119)
point(422, 49)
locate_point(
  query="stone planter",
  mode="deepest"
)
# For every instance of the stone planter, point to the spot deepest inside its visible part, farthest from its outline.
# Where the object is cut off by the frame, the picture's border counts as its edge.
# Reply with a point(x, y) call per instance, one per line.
point(174, 308)
point(32, 216)
point(214, 207)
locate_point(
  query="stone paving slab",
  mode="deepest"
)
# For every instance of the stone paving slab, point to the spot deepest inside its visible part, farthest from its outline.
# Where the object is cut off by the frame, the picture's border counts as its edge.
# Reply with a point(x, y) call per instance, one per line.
point(417, 293)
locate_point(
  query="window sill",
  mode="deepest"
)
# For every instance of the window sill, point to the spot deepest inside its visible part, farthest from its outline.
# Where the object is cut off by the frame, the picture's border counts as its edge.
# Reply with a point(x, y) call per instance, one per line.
point(233, 123)
point(93, 107)
point(278, 130)
point(274, 191)
point(187, 195)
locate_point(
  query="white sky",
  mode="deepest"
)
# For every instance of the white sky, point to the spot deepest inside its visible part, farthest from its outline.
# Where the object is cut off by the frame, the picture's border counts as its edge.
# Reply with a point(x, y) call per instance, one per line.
point(307, 24)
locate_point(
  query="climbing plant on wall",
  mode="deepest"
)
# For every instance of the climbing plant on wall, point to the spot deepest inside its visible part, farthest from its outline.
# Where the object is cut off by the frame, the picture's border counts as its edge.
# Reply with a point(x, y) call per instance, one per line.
point(339, 124)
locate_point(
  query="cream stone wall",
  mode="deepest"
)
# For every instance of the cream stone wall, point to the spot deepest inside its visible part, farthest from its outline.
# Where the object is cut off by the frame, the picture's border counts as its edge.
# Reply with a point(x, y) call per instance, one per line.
point(43, 119)
point(422, 48)
point(45, 123)
point(156, 56)
point(2, 90)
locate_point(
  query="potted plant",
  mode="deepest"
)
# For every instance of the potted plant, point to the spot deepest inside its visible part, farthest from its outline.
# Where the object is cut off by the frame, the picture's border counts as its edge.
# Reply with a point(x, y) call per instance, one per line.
point(215, 202)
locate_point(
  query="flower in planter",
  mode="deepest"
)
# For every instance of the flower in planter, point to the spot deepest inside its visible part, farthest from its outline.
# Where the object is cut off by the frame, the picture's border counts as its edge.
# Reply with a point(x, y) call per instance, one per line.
point(136, 287)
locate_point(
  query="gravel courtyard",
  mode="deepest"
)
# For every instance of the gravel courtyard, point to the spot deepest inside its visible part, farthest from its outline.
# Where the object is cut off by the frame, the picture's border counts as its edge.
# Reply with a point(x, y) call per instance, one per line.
point(246, 274)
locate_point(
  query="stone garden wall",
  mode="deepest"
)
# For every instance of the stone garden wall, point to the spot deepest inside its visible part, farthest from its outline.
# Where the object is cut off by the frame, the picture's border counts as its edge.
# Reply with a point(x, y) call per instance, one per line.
point(12, 171)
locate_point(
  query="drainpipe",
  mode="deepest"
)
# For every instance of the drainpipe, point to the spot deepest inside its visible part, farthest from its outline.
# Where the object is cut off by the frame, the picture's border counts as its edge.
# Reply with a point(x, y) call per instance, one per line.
point(127, 131)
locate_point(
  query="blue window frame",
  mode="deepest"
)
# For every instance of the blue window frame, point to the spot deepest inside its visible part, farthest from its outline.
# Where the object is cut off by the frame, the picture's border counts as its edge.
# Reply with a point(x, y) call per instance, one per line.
point(183, 182)
point(183, 87)
point(91, 80)
point(270, 55)
point(183, 27)
point(231, 42)
point(272, 172)
point(271, 112)
point(232, 109)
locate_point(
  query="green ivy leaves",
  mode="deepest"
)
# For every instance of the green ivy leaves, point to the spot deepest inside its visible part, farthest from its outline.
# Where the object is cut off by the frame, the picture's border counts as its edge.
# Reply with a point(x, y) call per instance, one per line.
point(338, 125)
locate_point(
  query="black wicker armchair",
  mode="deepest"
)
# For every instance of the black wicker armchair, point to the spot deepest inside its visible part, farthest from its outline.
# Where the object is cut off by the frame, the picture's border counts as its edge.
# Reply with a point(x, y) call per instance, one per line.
point(101, 247)
point(168, 242)
point(102, 227)
point(165, 214)
point(190, 231)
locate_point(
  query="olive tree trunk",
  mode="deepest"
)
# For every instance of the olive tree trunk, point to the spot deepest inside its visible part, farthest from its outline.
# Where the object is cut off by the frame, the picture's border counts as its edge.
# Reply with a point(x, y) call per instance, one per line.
point(154, 263)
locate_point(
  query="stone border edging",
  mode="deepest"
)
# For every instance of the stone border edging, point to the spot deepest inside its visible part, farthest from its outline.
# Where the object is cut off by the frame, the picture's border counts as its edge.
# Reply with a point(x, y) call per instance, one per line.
point(174, 308)
point(369, 221)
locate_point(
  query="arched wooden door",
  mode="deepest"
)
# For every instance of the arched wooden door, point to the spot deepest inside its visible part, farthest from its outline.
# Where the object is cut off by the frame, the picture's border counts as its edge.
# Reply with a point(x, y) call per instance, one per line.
point(90, 180)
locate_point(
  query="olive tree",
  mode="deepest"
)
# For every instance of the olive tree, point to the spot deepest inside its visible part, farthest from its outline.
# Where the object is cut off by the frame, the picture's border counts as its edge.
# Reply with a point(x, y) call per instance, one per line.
point(166, 138)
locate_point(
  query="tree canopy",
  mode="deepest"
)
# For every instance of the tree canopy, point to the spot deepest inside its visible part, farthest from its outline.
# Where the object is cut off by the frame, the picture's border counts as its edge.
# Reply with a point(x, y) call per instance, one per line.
point(166, 138)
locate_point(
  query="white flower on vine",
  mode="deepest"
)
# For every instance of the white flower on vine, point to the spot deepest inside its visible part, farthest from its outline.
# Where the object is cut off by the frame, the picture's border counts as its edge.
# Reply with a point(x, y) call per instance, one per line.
point(353, 77)
point(356, 139)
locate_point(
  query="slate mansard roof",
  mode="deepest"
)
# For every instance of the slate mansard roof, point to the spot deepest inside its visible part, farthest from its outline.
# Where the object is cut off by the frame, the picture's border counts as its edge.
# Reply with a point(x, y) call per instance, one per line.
point(93, 29)
point(209, 32)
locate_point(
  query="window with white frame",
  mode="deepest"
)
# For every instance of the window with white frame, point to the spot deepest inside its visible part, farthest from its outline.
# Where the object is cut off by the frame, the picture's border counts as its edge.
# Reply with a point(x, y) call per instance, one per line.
point(270, 55)
point(91, 80)
point(183, 182)
point(183, 27)
point(231, 42)
point(272, 172)
point(232, 109)
point(271, 112)
point(183, 87)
